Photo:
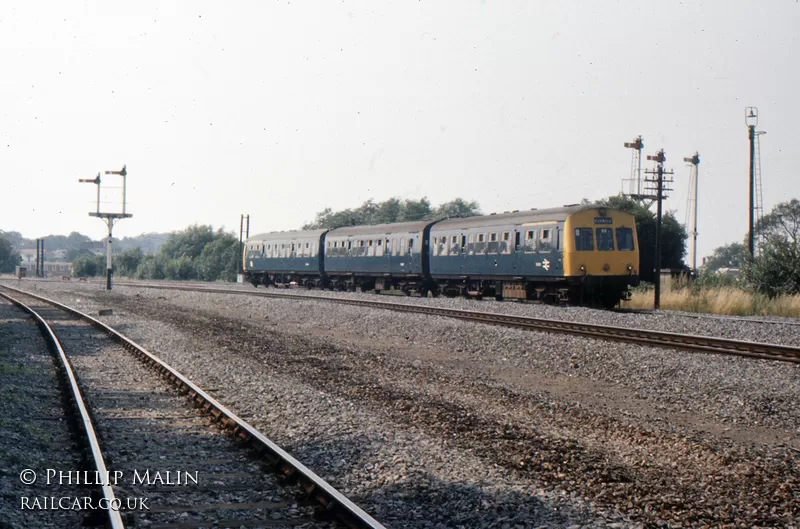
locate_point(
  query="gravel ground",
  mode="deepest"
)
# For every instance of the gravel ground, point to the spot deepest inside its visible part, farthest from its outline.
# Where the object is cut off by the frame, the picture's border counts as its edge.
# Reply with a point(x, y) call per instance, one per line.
point(33, 430)
point(767, 329)
point(436, 422)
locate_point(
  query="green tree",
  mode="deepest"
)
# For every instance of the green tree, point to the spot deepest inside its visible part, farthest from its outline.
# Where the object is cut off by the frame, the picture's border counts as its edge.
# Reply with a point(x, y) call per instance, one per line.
point(457, 208)
point(89, 265)
point(390, 211)
point(9, 257)
point(218, 259)
point(775, 270)
point(126, 263)
point(187, 243)
point(673, 236)
point(728, 256)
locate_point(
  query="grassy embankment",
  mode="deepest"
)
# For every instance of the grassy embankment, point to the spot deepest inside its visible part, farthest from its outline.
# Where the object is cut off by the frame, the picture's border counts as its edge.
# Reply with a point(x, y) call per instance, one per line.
point(719, 300)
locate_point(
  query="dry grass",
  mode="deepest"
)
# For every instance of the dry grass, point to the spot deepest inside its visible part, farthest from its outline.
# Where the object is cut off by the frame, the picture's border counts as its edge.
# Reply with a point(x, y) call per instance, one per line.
point(723, 300)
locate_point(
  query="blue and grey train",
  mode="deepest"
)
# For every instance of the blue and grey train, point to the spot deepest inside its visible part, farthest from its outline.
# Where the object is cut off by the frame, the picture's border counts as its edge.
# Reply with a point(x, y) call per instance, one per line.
point(578, 254)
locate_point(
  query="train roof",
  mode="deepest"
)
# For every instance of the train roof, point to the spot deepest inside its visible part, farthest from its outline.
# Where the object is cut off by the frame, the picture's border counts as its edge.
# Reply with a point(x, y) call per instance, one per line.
point(514, 217)
point(380, 229)
point(287, 235)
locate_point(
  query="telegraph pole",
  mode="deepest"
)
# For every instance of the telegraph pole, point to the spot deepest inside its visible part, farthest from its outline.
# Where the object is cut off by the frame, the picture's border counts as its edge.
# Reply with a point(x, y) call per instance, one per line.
point(659, 194)
point(109, 218)
point(244, 234)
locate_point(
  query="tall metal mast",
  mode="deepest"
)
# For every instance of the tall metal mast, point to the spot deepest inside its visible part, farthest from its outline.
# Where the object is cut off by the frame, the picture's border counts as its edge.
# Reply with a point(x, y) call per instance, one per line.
point(635, 181)
point(691, 209)
point(756, 206)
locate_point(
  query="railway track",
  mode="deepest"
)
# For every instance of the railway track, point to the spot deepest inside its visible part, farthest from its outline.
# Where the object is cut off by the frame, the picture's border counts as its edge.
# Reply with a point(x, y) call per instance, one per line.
point(166, 466)
point(686, 342)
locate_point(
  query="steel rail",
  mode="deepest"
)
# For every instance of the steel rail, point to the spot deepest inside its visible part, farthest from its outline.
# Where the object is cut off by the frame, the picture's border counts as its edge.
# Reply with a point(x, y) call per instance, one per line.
point(331, 499)
point(114, 517)
point(706, 344)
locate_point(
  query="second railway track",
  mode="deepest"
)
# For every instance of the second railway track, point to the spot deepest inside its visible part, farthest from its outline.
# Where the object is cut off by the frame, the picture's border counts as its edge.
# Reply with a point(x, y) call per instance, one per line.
point(189, 474)
point(706, 344)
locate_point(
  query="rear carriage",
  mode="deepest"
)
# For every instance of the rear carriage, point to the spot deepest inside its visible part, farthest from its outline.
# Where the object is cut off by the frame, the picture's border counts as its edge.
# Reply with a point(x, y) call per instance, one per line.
point(284, 258)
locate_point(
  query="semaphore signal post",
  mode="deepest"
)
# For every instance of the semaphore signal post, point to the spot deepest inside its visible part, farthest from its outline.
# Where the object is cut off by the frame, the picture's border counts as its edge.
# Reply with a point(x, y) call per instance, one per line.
point(109, 217)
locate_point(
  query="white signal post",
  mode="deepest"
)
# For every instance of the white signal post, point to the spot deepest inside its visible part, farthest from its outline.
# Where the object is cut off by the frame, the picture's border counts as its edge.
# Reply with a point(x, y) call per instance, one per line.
point(109, 218)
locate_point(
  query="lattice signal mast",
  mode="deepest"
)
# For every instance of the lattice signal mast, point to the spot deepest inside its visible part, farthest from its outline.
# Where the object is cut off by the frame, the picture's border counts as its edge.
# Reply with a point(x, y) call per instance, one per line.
point(756, 209)
point(691, 207)
point(109, 218)
point(635, 180)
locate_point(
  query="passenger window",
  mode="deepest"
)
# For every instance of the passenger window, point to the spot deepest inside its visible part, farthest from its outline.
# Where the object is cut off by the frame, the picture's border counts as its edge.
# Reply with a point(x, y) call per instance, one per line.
point(410, 246)
point(394, 246)
point(530, 241)
point(625, 239)
point(516, 241)
point(584, 240)
point(545, 241)
point(480, 244)
point(370, 249)
point(454, 247)
point(493, 246)
point(402, 245)
point(605, 240)
point(471, 244)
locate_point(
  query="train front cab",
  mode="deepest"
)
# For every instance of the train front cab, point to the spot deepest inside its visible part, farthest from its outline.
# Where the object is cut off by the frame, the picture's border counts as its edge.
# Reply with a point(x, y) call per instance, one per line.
point(601, 255)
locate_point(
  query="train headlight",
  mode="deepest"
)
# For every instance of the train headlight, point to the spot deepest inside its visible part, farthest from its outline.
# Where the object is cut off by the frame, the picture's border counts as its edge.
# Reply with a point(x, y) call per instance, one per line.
point(630, 268)
point(582, 268)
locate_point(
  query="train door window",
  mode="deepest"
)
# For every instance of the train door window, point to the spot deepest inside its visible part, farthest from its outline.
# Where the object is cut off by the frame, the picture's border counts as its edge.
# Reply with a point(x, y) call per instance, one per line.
point(436, 246)
point(349, 248)
point(584, 240)
point(379, 248)
point(410, 245)
point(558, 239)
point(505, 243)
point(471, 244)
point(454, 248)
point(546, 240)
point(394, 245)
point(517, 240)
point(307, 250)
point(480, 243)
point(386, 247)
point(370, 248)
point(402, 249)
point(605, 239)
point(530, 241)
point(492, 246)
point(463, 243)
point(625, 239)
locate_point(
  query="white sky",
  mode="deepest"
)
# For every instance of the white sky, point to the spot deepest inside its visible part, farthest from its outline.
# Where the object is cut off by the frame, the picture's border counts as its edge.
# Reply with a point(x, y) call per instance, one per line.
point(280, 109)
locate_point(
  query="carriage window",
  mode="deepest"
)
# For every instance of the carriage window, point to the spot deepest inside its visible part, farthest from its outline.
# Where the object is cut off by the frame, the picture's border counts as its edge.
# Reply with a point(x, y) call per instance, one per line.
point(505, 243)
point(410, 246)
point(625, 239)
point(493, 245)
point(530, 241)
point(545, 241)
point(471, 244)
point(379, 248)
point(517, 236)
point(480, 244)
point(605, 240)
point(454, 248)
point(584, 240)
point(394, 246)
point(370, 249)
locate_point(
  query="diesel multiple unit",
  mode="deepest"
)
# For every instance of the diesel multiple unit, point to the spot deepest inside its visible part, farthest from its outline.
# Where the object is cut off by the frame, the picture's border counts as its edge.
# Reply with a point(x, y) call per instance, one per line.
point(577, 254)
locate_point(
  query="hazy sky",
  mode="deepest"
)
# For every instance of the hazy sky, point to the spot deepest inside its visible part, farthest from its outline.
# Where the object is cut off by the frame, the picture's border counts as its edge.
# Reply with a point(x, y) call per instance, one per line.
point(280, 109)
